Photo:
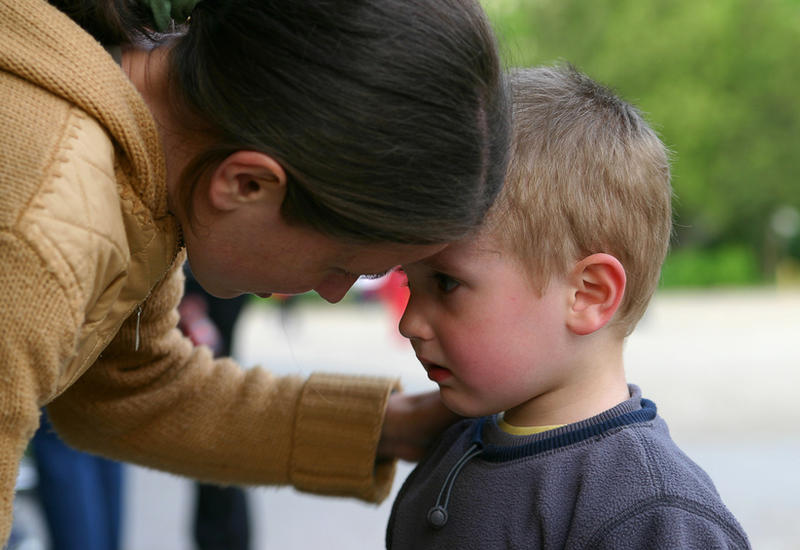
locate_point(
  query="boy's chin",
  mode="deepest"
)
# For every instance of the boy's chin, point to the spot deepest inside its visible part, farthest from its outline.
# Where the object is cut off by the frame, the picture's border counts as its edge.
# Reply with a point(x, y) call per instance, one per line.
point(460, 408)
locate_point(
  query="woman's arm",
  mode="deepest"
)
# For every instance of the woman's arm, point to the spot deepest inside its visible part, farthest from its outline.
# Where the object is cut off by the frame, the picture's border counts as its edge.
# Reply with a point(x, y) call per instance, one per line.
point(173, 407)
point(38, 330)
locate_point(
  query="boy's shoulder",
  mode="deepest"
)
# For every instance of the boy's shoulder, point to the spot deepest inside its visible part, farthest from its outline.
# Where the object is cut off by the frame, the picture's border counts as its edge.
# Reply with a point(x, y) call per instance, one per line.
point(627, 486)
point(653, 492)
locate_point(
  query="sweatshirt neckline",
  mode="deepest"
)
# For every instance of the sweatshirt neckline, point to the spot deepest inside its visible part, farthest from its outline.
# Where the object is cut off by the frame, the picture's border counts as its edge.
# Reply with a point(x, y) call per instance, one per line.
point(501, 447)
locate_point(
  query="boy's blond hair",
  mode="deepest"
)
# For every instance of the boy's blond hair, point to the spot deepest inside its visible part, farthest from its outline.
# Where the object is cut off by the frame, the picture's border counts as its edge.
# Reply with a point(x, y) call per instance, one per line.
point(587, 175)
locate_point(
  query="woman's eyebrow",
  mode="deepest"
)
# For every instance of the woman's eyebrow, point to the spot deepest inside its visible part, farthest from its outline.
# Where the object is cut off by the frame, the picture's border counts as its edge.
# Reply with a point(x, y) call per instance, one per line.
point(376, 275)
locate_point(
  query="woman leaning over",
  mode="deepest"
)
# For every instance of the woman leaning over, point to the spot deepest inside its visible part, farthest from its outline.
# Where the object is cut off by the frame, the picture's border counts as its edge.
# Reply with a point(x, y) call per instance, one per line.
point(284, 146)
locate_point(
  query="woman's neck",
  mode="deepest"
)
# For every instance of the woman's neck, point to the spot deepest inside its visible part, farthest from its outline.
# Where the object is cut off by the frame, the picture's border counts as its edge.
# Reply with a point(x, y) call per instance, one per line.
point(148, 70)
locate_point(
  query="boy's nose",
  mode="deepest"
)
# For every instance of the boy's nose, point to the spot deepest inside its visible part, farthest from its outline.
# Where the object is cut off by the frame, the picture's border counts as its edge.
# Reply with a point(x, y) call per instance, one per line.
point(413, 324)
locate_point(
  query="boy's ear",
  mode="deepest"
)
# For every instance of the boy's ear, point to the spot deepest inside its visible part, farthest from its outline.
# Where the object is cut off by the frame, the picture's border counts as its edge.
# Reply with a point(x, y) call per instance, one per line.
point(597, 285)
point(246, 177)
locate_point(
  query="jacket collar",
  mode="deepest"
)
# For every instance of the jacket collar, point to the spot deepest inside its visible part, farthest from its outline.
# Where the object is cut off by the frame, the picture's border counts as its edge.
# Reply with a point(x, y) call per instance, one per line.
point(40, 44)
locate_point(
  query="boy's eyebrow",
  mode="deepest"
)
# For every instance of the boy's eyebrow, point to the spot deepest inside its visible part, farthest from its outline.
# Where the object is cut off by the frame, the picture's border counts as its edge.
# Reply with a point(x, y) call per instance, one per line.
point(441, 261)
point(445, 263)
point(435, 264)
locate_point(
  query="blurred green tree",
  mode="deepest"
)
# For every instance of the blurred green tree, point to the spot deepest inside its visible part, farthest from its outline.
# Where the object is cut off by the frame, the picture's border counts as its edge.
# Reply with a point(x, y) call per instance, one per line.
point(719, 82)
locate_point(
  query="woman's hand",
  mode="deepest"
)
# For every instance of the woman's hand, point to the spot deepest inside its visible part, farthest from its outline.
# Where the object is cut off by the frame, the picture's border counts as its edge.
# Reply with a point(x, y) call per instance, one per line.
point(411, 424)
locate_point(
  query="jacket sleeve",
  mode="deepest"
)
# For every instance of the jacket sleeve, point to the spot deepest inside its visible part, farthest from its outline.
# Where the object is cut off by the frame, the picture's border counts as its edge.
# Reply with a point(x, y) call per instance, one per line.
point(172, 407)
point(38, 329)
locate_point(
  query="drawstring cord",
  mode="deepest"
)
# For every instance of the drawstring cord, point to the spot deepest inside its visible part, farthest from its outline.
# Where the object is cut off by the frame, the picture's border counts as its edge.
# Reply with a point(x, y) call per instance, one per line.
point(437, 515)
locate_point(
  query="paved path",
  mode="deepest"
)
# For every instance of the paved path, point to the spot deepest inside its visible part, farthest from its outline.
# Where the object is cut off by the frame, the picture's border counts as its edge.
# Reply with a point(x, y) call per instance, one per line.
point(724, 369)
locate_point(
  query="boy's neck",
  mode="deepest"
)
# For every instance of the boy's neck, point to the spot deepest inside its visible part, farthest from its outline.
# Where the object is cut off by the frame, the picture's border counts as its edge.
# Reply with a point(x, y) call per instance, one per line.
point(593, 383)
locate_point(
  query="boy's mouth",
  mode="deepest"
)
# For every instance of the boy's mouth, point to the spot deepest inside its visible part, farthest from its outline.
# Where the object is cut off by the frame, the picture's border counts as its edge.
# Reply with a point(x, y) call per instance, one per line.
point(436, 373)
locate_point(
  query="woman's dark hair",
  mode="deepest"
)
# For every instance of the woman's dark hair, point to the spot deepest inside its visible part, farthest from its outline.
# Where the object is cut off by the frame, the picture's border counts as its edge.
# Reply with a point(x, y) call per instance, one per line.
point(390, 117)
point(110, 22)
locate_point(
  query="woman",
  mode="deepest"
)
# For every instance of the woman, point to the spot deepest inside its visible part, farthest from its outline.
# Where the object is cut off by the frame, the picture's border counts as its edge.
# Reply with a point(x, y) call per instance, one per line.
point(288, 146)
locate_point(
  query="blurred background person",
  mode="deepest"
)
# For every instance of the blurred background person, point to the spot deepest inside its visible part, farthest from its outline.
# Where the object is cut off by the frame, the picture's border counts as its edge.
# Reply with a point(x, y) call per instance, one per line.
point(221, 518)
point(81, 494)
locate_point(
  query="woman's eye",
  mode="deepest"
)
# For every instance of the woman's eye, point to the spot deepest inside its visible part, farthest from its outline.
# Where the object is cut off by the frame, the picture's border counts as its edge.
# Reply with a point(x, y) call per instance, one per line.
point(445, 283)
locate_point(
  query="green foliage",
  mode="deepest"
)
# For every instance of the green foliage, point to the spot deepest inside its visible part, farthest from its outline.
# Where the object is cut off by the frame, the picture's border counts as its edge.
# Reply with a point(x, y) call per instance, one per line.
point(718, 80)
point(724, 266)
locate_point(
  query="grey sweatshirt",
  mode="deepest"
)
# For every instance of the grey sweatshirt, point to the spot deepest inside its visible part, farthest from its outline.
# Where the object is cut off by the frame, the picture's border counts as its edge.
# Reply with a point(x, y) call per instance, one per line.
point(615, 481)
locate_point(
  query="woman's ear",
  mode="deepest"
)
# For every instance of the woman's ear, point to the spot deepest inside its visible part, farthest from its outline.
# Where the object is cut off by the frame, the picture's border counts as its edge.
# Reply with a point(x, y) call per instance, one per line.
point(598, 285)
point(246, 177)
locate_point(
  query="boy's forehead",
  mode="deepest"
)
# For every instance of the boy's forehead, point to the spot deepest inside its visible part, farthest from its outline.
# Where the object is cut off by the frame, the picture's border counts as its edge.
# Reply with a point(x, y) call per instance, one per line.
point(464, 251)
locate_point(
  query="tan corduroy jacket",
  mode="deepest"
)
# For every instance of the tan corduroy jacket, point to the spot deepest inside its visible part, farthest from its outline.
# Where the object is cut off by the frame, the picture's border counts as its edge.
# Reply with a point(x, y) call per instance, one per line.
point(90, 263)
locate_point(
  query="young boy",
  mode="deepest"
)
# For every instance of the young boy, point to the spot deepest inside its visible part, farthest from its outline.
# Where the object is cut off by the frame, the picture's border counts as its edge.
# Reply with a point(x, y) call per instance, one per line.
point(528, 319)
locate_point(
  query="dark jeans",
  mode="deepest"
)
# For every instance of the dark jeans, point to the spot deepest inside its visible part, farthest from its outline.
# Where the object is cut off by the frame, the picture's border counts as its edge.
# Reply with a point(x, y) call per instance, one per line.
point(221, 520)
point(81, 494)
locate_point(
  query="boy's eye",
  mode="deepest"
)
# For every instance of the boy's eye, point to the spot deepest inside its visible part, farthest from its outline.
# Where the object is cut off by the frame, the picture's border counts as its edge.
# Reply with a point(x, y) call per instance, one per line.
point(445, 283)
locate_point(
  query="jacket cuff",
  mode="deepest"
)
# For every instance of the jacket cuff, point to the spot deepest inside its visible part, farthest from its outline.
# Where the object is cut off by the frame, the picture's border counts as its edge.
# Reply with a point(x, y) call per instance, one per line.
point(337, 427)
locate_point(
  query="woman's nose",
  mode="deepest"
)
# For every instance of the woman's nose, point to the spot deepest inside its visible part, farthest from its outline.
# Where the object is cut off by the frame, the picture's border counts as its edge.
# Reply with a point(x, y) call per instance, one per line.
point(335, 286)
